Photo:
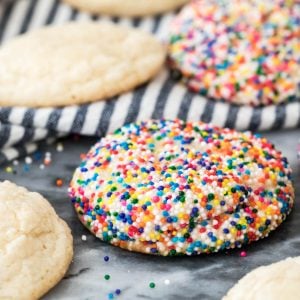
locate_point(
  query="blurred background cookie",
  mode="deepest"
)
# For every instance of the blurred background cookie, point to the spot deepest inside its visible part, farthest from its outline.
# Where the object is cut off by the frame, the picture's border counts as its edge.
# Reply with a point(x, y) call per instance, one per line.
point(36, 246)
point(129, 8)
point(240, 51)
point(76, 63)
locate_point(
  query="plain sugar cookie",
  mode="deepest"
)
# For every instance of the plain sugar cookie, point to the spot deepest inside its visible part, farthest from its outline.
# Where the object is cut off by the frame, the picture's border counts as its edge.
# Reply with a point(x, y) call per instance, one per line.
point(36, 246)
point(245, 52)
point(171, 188)
point(127, 8)
point(76, 63)
point(277, 281)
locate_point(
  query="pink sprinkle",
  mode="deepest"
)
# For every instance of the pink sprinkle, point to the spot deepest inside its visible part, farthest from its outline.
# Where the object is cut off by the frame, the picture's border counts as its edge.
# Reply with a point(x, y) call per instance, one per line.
point(243, 254)
point(155, 199)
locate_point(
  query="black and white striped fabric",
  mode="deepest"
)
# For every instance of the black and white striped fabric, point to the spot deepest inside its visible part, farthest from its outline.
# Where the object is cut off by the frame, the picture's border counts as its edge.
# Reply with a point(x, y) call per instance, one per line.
point(21, 128)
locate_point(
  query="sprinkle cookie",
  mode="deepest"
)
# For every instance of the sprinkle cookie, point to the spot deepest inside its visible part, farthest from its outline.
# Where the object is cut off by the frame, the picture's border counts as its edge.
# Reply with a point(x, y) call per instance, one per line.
point(76, 63)
point(36, 246)
point(126, 8)
point(240, 51)
point(169, 187)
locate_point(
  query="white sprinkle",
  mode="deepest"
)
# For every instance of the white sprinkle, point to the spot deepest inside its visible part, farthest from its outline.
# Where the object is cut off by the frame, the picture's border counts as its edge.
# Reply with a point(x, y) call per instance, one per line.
point(28, 160)
point(83, 237)
point(48, 154)
point(42, 166)
point(167, 282)
point(59, 147)
point(15, 162)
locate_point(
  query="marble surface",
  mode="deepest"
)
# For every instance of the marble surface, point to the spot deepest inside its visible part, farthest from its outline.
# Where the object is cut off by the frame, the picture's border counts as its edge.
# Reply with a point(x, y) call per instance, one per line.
point(203, 277)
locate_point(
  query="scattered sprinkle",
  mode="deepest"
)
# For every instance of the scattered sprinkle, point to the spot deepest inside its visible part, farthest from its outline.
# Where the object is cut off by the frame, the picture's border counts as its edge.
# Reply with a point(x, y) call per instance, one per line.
point(37, 155)
point(83, 237)
point(28, 160)
point(15, 162)
point(152, 285)
point(48, 154)
point(26, 168)
point(167, 281)
point(47, 161)
point(118, 291)
point(106, 277)
point(243, 254)
point(8, 169)
point(106, 258)
point(59, 147)
point(59, 182)
point(110, 296)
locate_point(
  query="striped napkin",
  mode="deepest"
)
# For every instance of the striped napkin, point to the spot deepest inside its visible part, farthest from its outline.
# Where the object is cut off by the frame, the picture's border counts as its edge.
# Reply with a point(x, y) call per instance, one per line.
point(22, 128)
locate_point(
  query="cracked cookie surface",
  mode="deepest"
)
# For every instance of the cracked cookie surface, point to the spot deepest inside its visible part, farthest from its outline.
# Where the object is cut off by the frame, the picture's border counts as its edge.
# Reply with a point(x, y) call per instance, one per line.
point(276, 281)
point(36, 246)
point(76, 63)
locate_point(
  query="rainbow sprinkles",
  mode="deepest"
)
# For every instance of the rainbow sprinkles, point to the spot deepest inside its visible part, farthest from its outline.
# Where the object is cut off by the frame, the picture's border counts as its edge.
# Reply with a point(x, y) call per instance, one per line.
point(171, 188)
point(239, 51)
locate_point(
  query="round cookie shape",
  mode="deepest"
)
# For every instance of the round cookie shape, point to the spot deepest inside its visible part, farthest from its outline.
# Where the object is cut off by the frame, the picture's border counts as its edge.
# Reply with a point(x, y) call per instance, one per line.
point(127, 8)
point(170, 187)
point(76, 63)
point(36, 246)
point(276, 281)
point(242, 52)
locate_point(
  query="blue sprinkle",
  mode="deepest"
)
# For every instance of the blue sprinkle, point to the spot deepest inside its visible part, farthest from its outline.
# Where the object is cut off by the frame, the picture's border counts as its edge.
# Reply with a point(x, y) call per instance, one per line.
point(118, 291)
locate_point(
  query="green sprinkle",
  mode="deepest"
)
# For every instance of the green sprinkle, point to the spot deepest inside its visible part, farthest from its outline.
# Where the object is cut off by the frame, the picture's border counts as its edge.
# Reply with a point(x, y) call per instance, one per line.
point(106, 277)
point(210, 196)
point(172, 252)
point(152, 285)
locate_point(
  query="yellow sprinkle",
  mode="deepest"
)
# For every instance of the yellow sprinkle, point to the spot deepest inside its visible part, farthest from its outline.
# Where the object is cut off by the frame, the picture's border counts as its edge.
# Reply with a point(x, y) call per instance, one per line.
point(9, 169)
point(219, 242)
point(233, 231)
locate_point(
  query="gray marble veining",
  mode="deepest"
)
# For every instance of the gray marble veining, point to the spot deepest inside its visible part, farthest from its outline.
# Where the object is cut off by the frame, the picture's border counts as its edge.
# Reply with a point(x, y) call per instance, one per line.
point(203, 277)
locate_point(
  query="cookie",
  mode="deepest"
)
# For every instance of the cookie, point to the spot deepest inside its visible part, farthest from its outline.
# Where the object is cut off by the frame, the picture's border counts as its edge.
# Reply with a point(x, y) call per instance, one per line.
point(171, 188)
point(36, 246)
point(127, 8)
point(240, 51)
point(276, 281)
point(76, 63)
